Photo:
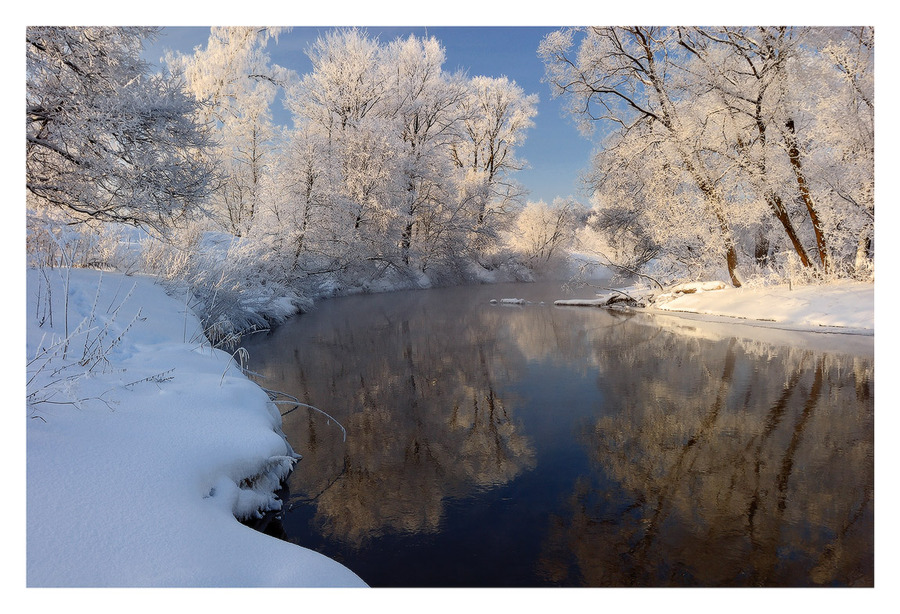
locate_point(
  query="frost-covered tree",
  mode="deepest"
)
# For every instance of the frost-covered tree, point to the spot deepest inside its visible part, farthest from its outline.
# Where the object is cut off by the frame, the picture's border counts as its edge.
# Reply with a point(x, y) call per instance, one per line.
point(341, 100)
point(423, 104)
point(625, 76)
point(234, 79)
point(834, 139)
point(303, 188)
point(541, 232)
point(616, 235)
point(801, 104)
point(398, 166)
point(495, 116)
point(734, 142)
point(105, 140)
point(745, 69)
point(345, 84)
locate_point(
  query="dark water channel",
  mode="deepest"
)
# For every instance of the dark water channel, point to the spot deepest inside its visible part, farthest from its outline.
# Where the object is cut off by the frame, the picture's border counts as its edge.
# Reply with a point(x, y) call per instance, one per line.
point(495, 445)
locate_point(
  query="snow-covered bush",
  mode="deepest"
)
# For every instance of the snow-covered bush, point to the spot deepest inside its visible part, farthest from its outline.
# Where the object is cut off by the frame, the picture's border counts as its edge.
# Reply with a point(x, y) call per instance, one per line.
point(234, 285)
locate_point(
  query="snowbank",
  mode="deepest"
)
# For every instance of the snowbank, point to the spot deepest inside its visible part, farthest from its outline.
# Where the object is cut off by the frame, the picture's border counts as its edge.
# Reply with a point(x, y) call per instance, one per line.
point(841, 305)
point(846, 306)
point(144, 444)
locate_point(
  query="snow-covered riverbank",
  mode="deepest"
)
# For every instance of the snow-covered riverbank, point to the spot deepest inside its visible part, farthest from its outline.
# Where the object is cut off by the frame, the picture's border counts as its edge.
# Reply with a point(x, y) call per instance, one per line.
point(143, 444)
point(846, 306)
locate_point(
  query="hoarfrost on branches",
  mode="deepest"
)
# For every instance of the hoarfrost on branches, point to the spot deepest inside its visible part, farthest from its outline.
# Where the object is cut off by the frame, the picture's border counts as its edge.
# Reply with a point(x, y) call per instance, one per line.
point(105, 140)
point(743, 148)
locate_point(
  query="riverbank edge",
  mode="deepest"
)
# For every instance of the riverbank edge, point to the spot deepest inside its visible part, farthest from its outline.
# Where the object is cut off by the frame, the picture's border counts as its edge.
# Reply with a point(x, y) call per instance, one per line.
point(697, 302)
point(246, 484)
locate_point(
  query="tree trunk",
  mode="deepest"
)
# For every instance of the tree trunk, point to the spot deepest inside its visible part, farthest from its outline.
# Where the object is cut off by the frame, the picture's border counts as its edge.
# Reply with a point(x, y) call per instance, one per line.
point(732, 261)
point(782, 215)
point(773, 199)
point(863, 249)
point(406, 241)
point(731, 258)
point(761, 250)
point(714, 201)
point(794, 154)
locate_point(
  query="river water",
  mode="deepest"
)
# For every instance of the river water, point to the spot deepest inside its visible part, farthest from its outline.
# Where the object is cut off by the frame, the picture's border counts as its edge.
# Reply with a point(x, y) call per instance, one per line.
point(496, 445)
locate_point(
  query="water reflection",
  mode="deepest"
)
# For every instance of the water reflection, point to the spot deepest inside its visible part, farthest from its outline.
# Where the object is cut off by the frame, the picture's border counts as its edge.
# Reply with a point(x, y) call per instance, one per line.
point(425, 424)
point(734, 464)
point(599, 449)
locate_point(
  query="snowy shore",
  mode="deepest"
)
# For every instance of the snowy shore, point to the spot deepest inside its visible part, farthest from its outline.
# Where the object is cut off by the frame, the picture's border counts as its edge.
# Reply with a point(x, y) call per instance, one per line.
point(144, 444)
point(844, 307)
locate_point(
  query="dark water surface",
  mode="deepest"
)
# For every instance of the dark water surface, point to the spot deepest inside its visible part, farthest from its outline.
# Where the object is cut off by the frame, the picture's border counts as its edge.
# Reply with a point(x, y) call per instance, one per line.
point(495, 445)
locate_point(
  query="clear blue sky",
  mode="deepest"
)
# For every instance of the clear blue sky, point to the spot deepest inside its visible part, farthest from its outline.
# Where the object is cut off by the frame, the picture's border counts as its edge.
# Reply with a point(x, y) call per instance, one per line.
point(554, 149)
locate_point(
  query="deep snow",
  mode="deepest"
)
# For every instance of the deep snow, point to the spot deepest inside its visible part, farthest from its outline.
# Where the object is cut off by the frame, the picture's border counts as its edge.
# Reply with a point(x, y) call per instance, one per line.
point(143, 444)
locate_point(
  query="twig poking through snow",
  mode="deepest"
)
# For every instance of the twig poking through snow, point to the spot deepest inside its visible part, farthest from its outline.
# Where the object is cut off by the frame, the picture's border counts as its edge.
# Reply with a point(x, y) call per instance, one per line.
point(243, 358)
point(159, 378)
point(292, 400)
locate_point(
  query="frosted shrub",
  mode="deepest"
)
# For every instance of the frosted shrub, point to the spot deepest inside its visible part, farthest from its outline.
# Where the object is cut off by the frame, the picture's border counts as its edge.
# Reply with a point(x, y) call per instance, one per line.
point(51, 242)
point(233, 285)
point(794, 272)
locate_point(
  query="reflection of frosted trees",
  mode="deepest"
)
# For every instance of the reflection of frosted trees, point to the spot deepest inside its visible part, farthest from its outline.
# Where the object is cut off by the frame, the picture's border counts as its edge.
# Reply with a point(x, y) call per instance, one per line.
point(425, 421)
point(729, 462)
point(721, 476)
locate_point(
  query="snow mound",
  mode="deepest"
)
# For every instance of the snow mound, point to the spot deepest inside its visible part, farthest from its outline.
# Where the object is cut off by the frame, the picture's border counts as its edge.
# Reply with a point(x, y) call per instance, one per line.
point(691, 287)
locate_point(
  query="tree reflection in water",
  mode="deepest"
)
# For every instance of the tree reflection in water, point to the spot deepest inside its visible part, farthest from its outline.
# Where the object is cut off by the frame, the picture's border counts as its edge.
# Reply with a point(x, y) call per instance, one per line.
point(723, 477)
point(598, 449)
point(425, 426)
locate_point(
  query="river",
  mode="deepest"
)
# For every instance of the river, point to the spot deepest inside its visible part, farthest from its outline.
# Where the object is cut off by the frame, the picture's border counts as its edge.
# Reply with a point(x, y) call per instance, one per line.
point(528, 445)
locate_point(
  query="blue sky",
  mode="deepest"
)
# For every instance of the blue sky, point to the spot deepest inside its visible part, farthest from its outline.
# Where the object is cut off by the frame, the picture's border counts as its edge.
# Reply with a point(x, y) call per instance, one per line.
point(554, 149)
